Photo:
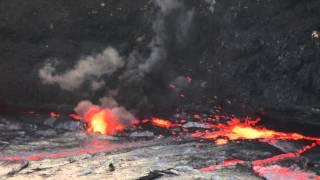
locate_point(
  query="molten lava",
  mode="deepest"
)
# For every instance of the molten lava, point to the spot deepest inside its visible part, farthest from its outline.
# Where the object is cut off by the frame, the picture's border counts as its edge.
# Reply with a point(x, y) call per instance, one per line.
point(161, 123)
point(102, 121)
point(237, 130)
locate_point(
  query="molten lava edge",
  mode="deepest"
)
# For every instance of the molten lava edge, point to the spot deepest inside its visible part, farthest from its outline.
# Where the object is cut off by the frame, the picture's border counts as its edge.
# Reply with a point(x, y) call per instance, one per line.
point(104, 121)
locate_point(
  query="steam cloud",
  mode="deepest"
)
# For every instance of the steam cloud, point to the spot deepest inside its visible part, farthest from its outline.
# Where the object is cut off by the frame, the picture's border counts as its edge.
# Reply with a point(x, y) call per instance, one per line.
point(88, 68)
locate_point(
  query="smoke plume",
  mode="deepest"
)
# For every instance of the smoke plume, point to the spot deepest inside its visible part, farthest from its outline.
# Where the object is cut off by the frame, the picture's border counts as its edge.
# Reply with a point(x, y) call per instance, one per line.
point(88, 68)
point(158, 44)
point(133, 67)
point(122, 114)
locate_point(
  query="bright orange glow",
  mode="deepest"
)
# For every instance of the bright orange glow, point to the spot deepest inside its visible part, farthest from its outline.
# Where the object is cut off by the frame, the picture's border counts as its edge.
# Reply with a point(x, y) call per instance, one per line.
point(102, 121)
point(221, 141)
point(161, 123)
point(241, 132)
point(120, 127)
point(98, 124)
point(237, 130)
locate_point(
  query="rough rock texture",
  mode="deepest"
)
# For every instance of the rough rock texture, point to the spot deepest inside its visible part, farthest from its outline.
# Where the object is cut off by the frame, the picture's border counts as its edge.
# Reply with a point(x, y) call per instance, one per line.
point(30, 150)
point(169, 162)
point(255, 52)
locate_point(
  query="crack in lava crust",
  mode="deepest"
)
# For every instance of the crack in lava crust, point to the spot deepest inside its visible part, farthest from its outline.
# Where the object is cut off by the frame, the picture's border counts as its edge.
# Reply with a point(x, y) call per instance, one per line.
point(103, 121)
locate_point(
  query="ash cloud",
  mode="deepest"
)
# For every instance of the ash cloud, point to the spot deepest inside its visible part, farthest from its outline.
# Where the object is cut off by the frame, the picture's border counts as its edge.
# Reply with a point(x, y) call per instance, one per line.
point(89, 68)
point(172, 23)
point(158, 44)
point(93, 67)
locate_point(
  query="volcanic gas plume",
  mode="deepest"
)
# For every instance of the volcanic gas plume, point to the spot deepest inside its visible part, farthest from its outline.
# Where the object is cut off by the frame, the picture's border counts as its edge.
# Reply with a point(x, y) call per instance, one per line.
point(108, 118)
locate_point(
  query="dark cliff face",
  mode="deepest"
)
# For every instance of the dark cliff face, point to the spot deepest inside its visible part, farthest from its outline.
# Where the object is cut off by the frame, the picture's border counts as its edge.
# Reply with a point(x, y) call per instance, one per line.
point(259, 53)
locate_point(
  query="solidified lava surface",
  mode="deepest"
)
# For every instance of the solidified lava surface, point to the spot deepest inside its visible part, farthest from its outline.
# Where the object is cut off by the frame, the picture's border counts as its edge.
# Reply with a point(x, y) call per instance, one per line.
point(208, 143)
point(145, 89)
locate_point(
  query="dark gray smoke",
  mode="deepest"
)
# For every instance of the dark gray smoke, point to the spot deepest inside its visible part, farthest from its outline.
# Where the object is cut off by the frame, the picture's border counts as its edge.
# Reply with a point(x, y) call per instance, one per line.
point(157, 45)
point(136, 65)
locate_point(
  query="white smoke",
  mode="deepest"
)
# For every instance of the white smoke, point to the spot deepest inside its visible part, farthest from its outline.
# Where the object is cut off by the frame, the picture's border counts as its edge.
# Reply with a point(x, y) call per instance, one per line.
point(88, 68)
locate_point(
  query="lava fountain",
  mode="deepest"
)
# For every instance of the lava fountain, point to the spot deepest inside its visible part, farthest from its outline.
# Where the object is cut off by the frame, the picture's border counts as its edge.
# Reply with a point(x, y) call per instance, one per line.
point(102, 121)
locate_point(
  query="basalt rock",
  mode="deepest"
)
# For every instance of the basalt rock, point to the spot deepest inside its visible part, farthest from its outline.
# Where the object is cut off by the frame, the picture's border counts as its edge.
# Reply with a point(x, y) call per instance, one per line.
point(257, 53)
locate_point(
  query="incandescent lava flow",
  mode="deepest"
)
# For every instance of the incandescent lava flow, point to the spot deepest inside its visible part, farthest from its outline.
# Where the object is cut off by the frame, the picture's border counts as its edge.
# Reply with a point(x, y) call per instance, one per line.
point(104, 121)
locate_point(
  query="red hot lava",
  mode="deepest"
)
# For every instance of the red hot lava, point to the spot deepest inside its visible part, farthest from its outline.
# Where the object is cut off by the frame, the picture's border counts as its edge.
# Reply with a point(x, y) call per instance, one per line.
point(102, 121)
point(163, 123)
point(105, 122)
point(237, 130)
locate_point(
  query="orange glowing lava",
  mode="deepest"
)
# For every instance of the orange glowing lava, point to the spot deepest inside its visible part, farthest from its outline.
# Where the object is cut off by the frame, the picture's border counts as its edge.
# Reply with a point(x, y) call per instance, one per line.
point(102, 121)
point(237, 130)
point(221, 141)
point(161, 123)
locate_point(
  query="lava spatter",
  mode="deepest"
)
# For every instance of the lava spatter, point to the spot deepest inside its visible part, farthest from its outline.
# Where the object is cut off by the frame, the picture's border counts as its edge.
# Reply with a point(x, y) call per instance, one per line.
point(163, 123)
point(236, 130)
point(102, 121)
point(221, 131)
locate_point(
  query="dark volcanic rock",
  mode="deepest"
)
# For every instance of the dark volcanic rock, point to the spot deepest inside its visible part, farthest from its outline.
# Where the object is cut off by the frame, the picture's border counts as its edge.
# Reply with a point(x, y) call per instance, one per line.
point(261, 53)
